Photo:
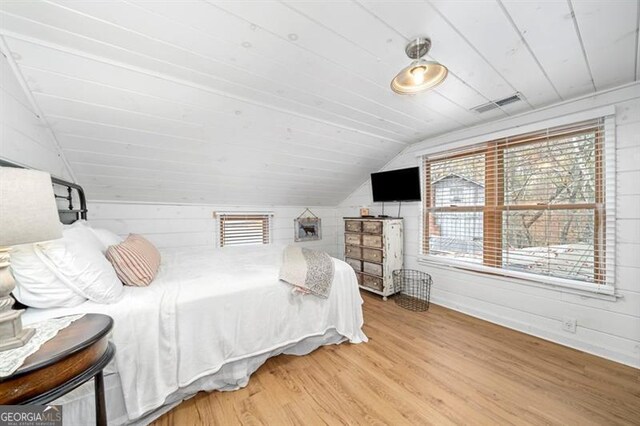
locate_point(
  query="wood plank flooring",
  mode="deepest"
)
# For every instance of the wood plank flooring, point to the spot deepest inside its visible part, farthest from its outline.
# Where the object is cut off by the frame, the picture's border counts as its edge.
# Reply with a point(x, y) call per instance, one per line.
point(437, 367)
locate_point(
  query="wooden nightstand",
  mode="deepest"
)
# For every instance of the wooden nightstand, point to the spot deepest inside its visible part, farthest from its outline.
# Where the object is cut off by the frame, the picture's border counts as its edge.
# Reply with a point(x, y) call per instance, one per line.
point(75, 355)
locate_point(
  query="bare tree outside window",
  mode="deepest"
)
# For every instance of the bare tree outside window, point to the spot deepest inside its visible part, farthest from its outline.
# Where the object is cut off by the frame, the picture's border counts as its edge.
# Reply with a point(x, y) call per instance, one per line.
point(532, 203)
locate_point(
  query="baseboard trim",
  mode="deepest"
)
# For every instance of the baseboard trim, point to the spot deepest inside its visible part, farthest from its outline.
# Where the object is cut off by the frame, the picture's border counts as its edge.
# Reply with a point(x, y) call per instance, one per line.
point(523, 327)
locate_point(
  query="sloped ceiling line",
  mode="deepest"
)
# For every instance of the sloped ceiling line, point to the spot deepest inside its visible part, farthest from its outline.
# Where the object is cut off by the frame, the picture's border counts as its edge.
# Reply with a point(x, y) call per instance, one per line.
point(344, 158)
point(141, 172)
point(4, 49)
point(197, 140)
point(195, 107)
point(225, 63)
point(205, 158)
point(193, 85)
point(187, 83)
point(144, 173)
point(194, 124)
point(307, 186)
point(206, 188)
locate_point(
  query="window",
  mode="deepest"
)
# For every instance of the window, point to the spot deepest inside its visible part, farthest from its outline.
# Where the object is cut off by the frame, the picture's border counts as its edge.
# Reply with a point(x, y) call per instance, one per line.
point(530, 204)
point(244, 229)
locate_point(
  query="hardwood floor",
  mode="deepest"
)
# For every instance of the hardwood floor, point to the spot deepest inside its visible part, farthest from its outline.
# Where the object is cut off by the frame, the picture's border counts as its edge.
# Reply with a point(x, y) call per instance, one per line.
point(437, 367)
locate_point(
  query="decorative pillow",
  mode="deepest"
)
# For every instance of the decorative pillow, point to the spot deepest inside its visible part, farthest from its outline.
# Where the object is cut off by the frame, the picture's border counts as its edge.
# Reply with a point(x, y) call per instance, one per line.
point(36, 284)
point(77, 260)
point(135, 260)
point(107, 238)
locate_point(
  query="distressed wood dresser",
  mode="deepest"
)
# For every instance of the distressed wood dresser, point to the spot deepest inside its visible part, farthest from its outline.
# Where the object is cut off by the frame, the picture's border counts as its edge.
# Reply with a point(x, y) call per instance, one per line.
point(374, 249)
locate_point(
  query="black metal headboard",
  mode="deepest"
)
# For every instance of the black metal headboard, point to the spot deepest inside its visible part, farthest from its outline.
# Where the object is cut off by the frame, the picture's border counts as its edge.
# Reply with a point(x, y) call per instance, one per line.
point(73, 194)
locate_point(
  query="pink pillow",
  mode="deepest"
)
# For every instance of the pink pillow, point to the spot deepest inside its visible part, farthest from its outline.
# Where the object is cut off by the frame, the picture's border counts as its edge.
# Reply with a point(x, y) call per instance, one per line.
point(135, 260)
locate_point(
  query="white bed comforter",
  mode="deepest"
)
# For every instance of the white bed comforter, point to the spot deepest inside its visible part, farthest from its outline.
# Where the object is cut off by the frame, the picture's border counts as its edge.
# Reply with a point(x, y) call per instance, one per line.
point(207, 308)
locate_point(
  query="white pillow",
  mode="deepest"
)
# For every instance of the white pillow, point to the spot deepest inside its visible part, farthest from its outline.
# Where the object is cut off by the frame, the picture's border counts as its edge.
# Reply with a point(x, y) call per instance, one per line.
point(78, 261)
point(81, 231)
point(36, 285)
point(107, 238)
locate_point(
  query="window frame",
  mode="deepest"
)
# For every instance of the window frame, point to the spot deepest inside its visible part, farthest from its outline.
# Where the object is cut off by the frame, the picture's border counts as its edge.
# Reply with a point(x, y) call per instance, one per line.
point(264, 216)
point(493, 149)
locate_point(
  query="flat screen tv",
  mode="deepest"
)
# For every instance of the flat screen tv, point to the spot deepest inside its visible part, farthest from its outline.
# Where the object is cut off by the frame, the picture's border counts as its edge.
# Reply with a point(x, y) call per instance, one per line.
point(396, 185)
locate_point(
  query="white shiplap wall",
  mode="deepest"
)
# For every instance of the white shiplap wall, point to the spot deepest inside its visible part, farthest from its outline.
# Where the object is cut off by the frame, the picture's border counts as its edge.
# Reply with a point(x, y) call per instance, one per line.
point(607, 328)
point(193, 225)
point(25, 137)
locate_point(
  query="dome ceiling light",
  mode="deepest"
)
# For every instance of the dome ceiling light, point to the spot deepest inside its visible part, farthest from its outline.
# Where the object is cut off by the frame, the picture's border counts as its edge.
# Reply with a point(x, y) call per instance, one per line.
point(421, 74)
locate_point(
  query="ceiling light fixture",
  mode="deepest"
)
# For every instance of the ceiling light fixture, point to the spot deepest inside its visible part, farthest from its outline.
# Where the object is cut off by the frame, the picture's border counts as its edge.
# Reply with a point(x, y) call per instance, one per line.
point(421, 74)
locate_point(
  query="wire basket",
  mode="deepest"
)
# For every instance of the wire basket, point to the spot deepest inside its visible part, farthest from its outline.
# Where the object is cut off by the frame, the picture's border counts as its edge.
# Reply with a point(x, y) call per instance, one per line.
point(413, 289)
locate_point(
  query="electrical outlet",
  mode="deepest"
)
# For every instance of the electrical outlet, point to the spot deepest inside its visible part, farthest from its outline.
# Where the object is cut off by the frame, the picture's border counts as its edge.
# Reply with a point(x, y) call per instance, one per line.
point(569, 324)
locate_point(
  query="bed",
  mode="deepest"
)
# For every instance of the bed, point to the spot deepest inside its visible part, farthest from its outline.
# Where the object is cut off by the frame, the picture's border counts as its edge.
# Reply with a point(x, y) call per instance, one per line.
point(207, 322)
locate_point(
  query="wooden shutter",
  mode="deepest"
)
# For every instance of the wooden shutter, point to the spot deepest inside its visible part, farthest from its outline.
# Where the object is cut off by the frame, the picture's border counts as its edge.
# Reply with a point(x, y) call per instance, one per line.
point(533, 203)
point(241, 229)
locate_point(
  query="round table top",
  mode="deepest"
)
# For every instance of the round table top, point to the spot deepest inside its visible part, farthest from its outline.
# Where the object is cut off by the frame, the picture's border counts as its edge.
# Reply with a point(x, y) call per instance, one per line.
point(79, 335)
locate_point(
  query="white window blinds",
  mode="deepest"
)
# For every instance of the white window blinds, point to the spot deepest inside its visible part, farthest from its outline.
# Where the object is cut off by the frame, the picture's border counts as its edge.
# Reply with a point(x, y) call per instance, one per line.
point(532, 204)
point(241, 229)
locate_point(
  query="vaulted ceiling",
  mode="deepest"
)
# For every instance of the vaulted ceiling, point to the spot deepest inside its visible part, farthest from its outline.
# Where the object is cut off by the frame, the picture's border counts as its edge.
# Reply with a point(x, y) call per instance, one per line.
point(256, 102)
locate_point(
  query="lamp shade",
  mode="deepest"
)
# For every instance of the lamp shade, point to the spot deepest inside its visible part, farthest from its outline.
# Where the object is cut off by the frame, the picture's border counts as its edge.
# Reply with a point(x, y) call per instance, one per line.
point(28, 210)
point(420, 75)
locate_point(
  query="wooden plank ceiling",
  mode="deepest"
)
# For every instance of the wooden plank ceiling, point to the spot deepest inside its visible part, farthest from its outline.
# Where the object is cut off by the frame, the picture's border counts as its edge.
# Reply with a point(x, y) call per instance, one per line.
point(268, 102)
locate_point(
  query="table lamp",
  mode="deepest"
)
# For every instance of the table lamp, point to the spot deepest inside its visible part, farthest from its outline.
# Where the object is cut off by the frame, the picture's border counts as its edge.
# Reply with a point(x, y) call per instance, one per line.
point(28, 214)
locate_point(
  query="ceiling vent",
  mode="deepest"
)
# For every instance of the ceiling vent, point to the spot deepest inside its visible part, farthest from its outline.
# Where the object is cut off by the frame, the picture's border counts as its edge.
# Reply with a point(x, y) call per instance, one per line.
point(497, 103)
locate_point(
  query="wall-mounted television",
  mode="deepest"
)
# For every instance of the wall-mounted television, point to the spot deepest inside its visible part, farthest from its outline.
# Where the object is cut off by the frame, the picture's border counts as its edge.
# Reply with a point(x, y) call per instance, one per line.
point(396, 185)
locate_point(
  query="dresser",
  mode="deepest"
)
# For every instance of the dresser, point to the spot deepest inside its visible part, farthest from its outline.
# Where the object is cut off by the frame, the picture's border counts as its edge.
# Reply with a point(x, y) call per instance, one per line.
point(374, 249)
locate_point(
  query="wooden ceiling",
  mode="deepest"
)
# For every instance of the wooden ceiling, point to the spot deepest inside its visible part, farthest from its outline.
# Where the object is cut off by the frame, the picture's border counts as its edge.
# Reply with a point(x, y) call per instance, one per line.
point(266, 102)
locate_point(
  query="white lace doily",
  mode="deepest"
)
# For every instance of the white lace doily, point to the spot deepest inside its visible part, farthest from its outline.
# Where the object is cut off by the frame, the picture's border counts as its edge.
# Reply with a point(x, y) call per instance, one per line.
point(46, 330)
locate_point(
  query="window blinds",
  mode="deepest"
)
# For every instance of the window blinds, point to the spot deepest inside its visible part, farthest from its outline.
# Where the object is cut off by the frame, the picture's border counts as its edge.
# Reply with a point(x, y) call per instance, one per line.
point(534, 203)
point(240, 229)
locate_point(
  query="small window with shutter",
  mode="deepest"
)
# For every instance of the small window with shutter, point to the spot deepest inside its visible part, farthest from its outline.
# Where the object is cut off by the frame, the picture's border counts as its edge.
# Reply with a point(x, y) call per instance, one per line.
point(244, 229)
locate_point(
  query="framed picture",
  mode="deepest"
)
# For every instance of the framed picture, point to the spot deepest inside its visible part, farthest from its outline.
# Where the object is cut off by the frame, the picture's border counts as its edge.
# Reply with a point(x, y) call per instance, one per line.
point(307, 229)
point(364, 211)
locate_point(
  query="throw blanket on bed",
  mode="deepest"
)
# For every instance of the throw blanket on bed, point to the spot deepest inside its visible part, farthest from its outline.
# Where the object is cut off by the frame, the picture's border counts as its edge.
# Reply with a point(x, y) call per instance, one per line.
point(310, 271)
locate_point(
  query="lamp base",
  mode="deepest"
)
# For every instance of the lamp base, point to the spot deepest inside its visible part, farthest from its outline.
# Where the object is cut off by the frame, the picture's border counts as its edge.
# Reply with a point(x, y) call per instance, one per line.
point(12, 335)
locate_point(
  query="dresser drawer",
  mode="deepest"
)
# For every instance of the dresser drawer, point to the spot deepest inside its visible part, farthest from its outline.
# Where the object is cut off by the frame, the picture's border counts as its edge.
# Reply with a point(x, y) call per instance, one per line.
point(372, 282)
point(359, 277)
point(371, 255)
point(352, 239)
point(372, 268)
point(353, 225)
point(372, 241)
point(355, 264)
point(372, 227)
point(353, 252)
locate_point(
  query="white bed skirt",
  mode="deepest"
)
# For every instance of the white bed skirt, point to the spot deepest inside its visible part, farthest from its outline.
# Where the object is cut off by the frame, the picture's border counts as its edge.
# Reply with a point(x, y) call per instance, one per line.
point(79, 405)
